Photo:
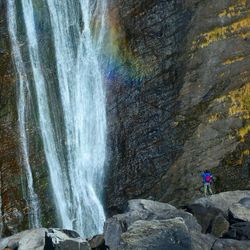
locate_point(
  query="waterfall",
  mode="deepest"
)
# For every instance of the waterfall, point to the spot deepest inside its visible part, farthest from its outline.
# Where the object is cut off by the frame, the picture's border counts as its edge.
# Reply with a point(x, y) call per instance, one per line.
point(76, 168)
point(34, 214)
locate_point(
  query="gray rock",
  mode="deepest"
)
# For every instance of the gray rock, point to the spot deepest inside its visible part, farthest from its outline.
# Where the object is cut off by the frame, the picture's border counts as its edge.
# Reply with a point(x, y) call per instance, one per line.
point(240, 212)
point(97, 241)
point(202, 241)
point(148, 209)
point(204, 215)
point(113, 228)
point(143, 210)
point(42, 239)
point(66, 240)
point(228, 244)
point(156, 234)
point(14, 240)
point(223, 201)
point(33, 240)
point(245, 202)
point(219, 226)
point(239, 231)
point(76, 244)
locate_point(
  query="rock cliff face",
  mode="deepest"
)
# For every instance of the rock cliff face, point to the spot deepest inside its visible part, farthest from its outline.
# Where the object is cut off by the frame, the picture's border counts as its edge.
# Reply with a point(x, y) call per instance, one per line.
point(191, 112)
point(10, 182)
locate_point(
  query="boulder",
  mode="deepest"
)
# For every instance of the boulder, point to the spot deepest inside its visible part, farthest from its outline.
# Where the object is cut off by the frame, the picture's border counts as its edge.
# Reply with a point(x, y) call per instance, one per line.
point(18, 240)
point(205, 215)
point(229, 244)
point(97, 242)
point(33, 240)
point(156, 234)
point(239, 231)
point(219, 226)
point(245, 202)
point(146, 210)
point(223, 201)
point(45, 239)
point(62, 239)
point(240, 211)
point(202, 241)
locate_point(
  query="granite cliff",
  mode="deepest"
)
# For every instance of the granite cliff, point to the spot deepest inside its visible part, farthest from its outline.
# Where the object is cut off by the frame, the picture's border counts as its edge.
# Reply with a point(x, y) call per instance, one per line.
point(191, 112)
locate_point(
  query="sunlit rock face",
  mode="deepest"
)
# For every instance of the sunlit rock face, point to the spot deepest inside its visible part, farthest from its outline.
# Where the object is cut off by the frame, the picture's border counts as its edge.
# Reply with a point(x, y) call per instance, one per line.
point(190, 109)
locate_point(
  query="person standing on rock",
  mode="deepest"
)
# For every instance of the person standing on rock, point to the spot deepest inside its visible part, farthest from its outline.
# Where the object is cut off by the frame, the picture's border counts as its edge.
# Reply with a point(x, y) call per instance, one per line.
point(207, 180)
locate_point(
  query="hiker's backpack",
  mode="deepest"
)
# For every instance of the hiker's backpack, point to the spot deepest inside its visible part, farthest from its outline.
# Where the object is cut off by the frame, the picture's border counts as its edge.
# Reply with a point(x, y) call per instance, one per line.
point(208, 178)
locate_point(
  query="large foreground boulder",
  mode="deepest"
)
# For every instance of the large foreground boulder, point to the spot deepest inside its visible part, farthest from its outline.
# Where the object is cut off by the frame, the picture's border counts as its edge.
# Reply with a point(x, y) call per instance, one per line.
point(145, 210)
point(45, 239)
point(27, 240)
point(156, 234)
point(154, 225)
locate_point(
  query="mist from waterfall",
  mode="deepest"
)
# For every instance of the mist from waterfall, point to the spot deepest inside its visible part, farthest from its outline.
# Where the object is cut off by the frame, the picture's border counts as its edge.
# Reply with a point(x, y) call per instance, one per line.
point(77, 167)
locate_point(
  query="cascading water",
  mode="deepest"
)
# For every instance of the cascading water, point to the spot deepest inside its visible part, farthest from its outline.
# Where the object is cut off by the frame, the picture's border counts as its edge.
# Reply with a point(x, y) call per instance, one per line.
point(34, 214)
point(78, 30)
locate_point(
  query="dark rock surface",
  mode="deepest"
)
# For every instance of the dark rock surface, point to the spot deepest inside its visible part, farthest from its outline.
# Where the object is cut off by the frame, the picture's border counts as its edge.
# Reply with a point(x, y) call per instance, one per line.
point(204, 215)
point(239, 231)
point(189, 112)
point(219, 226)
point(97, 242)
point(228, 244)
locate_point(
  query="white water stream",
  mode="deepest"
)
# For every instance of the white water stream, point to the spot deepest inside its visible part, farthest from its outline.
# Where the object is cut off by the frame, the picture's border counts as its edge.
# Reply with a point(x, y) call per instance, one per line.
point(78, 28)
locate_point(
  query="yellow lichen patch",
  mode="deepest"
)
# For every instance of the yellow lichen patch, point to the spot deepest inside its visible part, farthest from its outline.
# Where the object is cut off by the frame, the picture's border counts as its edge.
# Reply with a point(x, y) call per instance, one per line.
point(246, 34)
point(230, 12)
point(240, 99)
point(240, 106)
point(233, 60)
point(243, 132)
point(234, 10)
point(220, 33)
point(213, 118)
point(242, 2)
point(244, 153)
point(221, 99)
